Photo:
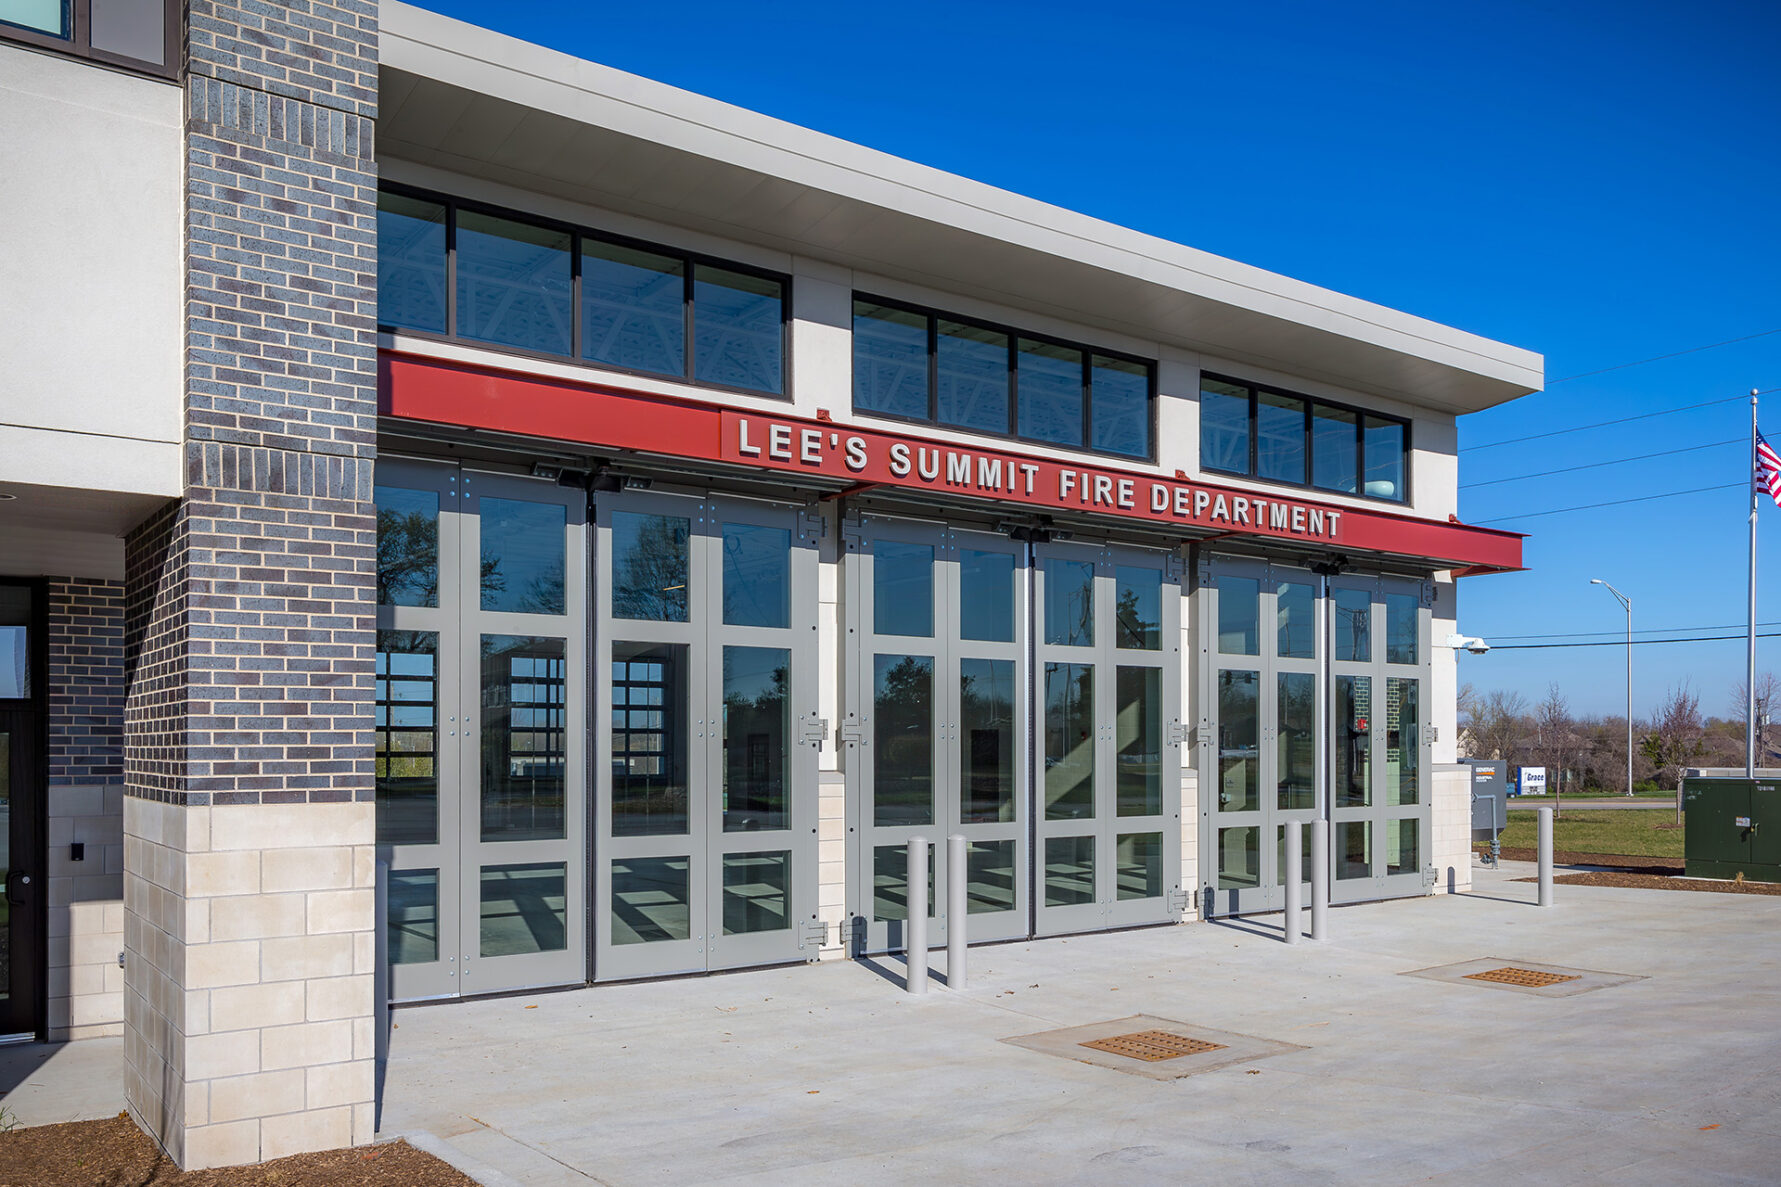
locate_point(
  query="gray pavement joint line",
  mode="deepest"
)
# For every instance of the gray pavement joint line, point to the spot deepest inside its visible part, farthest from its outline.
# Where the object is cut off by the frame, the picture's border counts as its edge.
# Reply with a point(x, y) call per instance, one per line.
point(539, 1150)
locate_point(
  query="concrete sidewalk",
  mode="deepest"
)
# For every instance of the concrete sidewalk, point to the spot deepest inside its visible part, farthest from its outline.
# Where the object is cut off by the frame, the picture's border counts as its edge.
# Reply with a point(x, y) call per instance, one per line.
point(832, 1075)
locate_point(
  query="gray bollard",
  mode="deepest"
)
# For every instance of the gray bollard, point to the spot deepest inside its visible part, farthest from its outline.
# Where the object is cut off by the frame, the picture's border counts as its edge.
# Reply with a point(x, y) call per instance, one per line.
point(956, 912)
point(1545, 811)
point(1320, 879)
point(1294, 923)
point(915, 947)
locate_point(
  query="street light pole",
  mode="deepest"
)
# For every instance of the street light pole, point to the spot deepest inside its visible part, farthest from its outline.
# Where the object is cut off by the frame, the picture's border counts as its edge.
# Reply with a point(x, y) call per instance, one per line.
point(1626, 603)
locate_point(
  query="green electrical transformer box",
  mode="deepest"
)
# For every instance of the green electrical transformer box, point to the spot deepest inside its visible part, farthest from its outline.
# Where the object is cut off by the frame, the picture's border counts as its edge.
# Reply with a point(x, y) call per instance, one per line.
point(1733, 827)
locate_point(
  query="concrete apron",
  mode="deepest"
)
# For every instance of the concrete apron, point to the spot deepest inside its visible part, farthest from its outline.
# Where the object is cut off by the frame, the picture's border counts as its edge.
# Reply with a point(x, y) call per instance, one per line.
point(1360, 1073)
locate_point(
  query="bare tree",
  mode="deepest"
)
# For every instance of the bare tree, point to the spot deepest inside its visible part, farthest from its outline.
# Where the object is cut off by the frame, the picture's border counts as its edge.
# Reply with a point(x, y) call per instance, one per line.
point(1555, 738)
point(1677, 736)
point(1768, 699)
point(1499, 726)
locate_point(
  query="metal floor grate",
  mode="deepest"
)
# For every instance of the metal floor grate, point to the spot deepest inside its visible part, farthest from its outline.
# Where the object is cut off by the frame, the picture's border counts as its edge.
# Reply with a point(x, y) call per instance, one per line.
point(1526, 977)
point(1152, 1045)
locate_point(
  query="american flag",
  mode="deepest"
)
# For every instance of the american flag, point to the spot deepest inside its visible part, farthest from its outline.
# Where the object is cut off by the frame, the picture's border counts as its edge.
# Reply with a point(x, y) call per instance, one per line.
point(1768, 469)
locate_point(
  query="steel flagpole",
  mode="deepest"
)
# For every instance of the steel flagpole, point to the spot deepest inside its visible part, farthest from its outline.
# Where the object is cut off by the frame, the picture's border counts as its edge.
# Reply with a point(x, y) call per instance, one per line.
point(1750, 657)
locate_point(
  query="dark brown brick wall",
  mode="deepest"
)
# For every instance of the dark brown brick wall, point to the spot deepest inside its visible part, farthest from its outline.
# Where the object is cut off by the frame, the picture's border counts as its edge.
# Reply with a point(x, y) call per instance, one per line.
point(85, 682)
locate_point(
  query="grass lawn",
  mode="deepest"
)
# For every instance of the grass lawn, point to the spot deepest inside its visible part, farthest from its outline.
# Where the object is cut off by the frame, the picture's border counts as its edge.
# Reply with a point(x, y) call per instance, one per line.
point(1632, 832)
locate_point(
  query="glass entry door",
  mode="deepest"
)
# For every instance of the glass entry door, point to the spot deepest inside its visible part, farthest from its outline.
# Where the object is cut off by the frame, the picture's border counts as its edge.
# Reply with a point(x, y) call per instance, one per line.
point(1108, 827)
point(480, 761)
point(1259, 647)
point(22, 815)
point(708, 732)
point(935, 732)
point(1379, 737)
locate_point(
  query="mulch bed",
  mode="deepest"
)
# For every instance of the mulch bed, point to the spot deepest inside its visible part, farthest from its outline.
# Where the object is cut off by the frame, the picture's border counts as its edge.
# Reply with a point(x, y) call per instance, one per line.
point(1660, 882)
point(1618, 861)
point(115, 1153)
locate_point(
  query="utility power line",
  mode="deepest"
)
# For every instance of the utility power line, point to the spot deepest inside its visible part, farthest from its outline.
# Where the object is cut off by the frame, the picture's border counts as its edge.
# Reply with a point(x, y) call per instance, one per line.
point(1636, 642)
point(1660, 358)
point(1655, 630)
point(1602, 424)
point(1616, 502)
point(1643, 457)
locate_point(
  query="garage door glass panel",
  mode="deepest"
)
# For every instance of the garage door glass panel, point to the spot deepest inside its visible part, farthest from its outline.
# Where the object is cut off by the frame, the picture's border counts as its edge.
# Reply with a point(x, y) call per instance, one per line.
point(1138, 738)
point(649, 748)
point(1239, 615)
point(524, 743)
point(1139, 861)
point(651, 899)
point(1354, 849)
point(1239, 858)
point(522, 909)
point(903, 589)
point(756, 735)
point(650, 566)
point(1239, 741)
point(522, 556)
point(903, 770)
point(1352, 757)
point(1070, 603)
point(1295, 606)
point(990, 874)
point(986, 596)
point(1069, 871)
point(1069, 741)
point(1403, 741)
point(757, 575)
point(1402, 619)
point(1295, 734)
point(407, 719)
point(890, 882)
point(1402, 851)
point(407, 547)
point(755, 892)
point(986, 713)
point(1138, 608)
point(1354, 625)
point(413, 919)
point(1280, 855)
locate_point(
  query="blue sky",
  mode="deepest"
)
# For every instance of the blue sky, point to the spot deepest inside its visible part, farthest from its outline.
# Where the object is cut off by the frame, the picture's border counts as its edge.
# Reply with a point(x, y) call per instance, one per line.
point(1600, 182)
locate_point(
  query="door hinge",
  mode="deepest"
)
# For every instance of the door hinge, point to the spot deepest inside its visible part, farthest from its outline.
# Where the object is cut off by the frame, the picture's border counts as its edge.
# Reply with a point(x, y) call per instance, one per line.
point(816, 730)
point(1430, 875)
point(812, 525)
point(1177, 733)
point(1181, 901)
point(853, 731)
point(1174, 567)
point(851, 532)
point(814, 934)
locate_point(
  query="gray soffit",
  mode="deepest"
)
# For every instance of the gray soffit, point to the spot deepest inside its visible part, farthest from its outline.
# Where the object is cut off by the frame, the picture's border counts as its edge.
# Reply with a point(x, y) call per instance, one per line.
point(470, 101)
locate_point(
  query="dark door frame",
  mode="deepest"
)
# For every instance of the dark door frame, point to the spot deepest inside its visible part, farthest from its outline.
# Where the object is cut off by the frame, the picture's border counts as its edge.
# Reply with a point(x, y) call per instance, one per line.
point(26, 1010)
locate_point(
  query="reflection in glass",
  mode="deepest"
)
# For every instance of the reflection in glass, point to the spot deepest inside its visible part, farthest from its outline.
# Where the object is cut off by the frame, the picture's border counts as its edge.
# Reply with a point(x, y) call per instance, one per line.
point(1069, 871)
point(986, 595)
point(903, 588)
point(650, 566)
point(1120, 406)
point(1403, 853)
point(757, 889)
point(523, 909)
point(1239, 741)
point(524, 738)
point(6, 861)
point(1070, 602)
point(1239, 858)
point(1138, 608)
point(523, 556)
point(1049, 379)
point(1354, 625)
point(757, 738)
point(1224, 427)
point(406, 760)
point(1138, 738)
point(1403, 741)
point(986, 740)
point(972, 365)
point(1354, 849)
point(412, 923)
point(649, 739)
point(633, 308)
point(1239, 615)
point(1385, 459)
point(651, 899)
point(757, 575)
point(1279, 437)
point(903, 736)
point(1280, 855)
point(1353, 757)
point(1333, 453)
point(1295, 744)
point(890, 882)
point(513, 283)
point(989, 877)
point(1294, 616)
point(738, 329)
point(407, 547)
point(410, 263)
point(1402, 615)
point(15, 643)
point(890, 361)
point(1069, 741)
point(1138, 865)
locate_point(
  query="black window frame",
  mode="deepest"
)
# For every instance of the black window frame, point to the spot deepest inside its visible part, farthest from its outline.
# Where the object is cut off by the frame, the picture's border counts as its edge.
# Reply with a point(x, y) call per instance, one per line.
point(79, 42)
point(689, 260)
point(1311, 404)
point(1015, 335)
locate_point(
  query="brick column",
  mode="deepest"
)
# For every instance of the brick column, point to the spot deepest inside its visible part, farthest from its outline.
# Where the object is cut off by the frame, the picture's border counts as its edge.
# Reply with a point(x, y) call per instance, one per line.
point(248, 818)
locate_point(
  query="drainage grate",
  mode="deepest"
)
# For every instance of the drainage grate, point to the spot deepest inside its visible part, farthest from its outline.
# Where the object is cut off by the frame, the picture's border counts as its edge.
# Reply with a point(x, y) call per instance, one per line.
point(1152, 1045)
point(1527, 977)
